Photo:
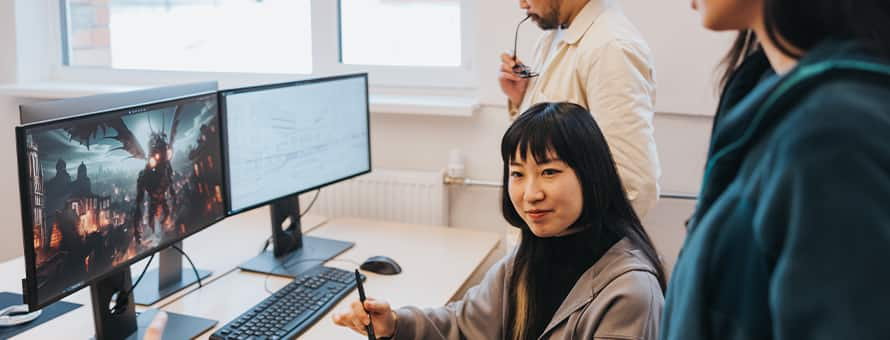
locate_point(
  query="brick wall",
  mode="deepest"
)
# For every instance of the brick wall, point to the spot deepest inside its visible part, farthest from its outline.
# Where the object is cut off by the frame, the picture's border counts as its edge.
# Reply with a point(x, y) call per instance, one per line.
point(89, 37)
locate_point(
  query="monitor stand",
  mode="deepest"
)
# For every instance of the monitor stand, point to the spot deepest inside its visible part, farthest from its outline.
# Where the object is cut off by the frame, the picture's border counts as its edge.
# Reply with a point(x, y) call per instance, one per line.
point(170, 277)
point(115, 316)
point(292, 253)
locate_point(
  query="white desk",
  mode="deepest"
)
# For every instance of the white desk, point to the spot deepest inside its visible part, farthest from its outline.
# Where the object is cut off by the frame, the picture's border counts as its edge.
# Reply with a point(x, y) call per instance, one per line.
point(436, 262)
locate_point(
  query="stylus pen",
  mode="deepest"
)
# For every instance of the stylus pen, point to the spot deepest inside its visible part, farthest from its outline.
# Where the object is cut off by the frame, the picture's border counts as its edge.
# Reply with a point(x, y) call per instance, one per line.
point(361, 298)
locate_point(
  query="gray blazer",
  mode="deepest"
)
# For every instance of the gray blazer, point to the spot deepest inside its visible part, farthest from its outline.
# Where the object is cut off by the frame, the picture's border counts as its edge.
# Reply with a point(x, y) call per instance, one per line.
point(616, 298)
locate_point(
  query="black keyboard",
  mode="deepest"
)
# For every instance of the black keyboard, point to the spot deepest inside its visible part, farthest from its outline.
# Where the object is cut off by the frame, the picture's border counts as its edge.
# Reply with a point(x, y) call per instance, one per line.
point(293, 308)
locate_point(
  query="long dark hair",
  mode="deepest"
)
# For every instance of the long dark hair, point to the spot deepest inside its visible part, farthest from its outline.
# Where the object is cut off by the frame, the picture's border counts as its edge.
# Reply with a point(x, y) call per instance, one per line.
point(744, 45)
point(802, 24)
point(569, 131)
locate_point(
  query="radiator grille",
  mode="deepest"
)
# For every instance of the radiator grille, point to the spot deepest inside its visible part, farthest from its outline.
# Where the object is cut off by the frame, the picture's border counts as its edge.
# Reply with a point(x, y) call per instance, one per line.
point(392, 195)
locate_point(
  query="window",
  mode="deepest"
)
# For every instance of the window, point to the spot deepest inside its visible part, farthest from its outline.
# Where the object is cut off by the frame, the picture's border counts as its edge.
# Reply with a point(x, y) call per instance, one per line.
point(400, 42)
point(250, 36)
point(416, 33)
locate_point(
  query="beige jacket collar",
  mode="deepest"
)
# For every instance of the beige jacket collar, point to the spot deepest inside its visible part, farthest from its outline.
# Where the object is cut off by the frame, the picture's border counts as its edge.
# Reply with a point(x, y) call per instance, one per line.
point(573, 34)
point(584, 20)
point(618, 260)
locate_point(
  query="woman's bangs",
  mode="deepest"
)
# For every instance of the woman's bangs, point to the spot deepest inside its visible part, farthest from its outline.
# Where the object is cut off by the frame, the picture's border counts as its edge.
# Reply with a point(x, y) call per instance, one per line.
point(531, 137)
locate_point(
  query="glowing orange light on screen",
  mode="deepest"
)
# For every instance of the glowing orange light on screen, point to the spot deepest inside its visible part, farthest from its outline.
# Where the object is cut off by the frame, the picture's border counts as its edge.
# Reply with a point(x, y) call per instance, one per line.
point(37, 236)
point(103, 219)
point(56, 237)
point(87, 224)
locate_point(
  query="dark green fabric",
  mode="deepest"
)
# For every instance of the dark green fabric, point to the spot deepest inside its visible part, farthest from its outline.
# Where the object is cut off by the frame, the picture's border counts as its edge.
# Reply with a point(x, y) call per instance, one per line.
point(791, 236)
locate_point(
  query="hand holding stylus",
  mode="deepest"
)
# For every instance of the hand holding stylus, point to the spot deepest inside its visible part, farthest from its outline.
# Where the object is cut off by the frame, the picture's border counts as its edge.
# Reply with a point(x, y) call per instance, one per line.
point(373, 315)
point(355, 317)
point(369, 328)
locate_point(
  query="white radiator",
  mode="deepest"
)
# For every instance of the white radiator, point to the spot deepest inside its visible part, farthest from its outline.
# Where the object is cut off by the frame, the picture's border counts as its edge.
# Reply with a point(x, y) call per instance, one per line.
point(392, 195)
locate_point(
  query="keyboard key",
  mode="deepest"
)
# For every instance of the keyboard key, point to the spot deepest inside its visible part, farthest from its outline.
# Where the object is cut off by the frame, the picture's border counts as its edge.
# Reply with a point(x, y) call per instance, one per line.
point(295, 321)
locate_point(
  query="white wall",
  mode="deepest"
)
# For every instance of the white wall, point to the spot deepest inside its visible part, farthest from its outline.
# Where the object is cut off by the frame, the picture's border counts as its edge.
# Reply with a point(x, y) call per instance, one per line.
point(10, 241)
point(7, 42)
point(685, 53)
point(10, 217)
point(685, 56)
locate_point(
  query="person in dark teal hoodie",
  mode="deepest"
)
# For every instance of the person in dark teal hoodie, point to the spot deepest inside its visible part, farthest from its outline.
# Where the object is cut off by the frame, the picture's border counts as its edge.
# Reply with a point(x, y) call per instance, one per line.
point(791, 235)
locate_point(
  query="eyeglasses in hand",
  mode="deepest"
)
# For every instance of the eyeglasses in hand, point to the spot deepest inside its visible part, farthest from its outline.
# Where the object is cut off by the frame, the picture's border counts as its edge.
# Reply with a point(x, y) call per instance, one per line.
point(521, 69)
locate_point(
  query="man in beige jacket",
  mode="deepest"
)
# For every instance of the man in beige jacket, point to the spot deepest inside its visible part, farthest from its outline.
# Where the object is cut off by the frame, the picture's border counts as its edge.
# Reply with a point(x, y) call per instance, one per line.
point(593, 56)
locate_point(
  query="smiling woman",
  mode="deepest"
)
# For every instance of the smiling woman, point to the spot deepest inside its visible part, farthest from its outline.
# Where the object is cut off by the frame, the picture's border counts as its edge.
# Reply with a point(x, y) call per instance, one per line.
point(562, 190)
point(546, 193)
point(585, 267)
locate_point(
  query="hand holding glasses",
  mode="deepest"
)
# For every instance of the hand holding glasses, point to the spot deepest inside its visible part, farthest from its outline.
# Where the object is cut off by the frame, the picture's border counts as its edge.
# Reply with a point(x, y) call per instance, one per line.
point(521, 69)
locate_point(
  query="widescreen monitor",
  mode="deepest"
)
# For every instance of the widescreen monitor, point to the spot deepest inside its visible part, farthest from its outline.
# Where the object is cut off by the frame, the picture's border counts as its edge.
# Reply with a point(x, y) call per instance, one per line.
point(104, 190)
point(285, 139)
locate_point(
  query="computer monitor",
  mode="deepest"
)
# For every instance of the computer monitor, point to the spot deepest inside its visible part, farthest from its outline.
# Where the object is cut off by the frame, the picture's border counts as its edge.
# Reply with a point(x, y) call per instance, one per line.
point(285, 139)
point(102, 191)
point(170, 276)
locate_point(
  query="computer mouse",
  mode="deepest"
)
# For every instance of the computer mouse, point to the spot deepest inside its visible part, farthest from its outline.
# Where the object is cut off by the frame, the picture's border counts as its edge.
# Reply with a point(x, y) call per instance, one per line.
point(381, 265)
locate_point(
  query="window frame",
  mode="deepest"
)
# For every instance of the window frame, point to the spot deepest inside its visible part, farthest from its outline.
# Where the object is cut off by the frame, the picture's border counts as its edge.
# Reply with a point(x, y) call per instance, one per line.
point(325, 59)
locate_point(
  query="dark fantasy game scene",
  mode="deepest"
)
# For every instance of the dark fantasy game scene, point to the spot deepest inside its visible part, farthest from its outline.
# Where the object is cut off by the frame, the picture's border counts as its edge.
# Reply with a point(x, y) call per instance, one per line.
point(108, 187)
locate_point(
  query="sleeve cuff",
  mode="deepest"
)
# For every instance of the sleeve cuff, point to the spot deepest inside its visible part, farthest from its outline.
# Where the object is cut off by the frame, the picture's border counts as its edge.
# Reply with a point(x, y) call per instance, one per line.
point(512, 108)
point(405, 327)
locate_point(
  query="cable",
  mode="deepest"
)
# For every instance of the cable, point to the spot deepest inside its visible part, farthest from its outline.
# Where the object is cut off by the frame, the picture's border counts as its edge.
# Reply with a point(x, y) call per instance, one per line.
point(195, 269)
point(290, 264)
point(311, 203)
point(145, 269)
point(266, 245)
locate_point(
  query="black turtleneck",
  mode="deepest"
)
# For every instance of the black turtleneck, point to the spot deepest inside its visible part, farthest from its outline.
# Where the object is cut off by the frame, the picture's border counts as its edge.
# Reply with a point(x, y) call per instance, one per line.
point(558, 265)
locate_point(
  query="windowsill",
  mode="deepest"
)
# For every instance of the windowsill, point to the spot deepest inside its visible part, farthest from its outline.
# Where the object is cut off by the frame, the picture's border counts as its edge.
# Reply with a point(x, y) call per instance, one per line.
point(446, 106)
point(60, 90)
point(453, 106)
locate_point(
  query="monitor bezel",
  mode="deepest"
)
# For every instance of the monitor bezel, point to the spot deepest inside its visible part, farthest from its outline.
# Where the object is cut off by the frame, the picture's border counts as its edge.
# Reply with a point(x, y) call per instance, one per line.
point(30, 295)
point(51, 110)
point(223, 109)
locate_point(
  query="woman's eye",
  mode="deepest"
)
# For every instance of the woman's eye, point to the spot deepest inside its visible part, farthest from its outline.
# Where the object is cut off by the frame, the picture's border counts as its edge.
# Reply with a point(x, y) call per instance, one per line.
point(550, 172)
point(515, 174)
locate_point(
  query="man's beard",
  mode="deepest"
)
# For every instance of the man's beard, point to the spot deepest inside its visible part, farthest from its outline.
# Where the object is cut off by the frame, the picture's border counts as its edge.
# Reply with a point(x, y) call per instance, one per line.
point(548, 22)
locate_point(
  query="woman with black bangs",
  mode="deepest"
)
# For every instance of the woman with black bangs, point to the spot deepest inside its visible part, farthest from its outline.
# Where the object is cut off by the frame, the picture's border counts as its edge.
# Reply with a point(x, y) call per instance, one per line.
point(584, 269)
point(791, 235)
